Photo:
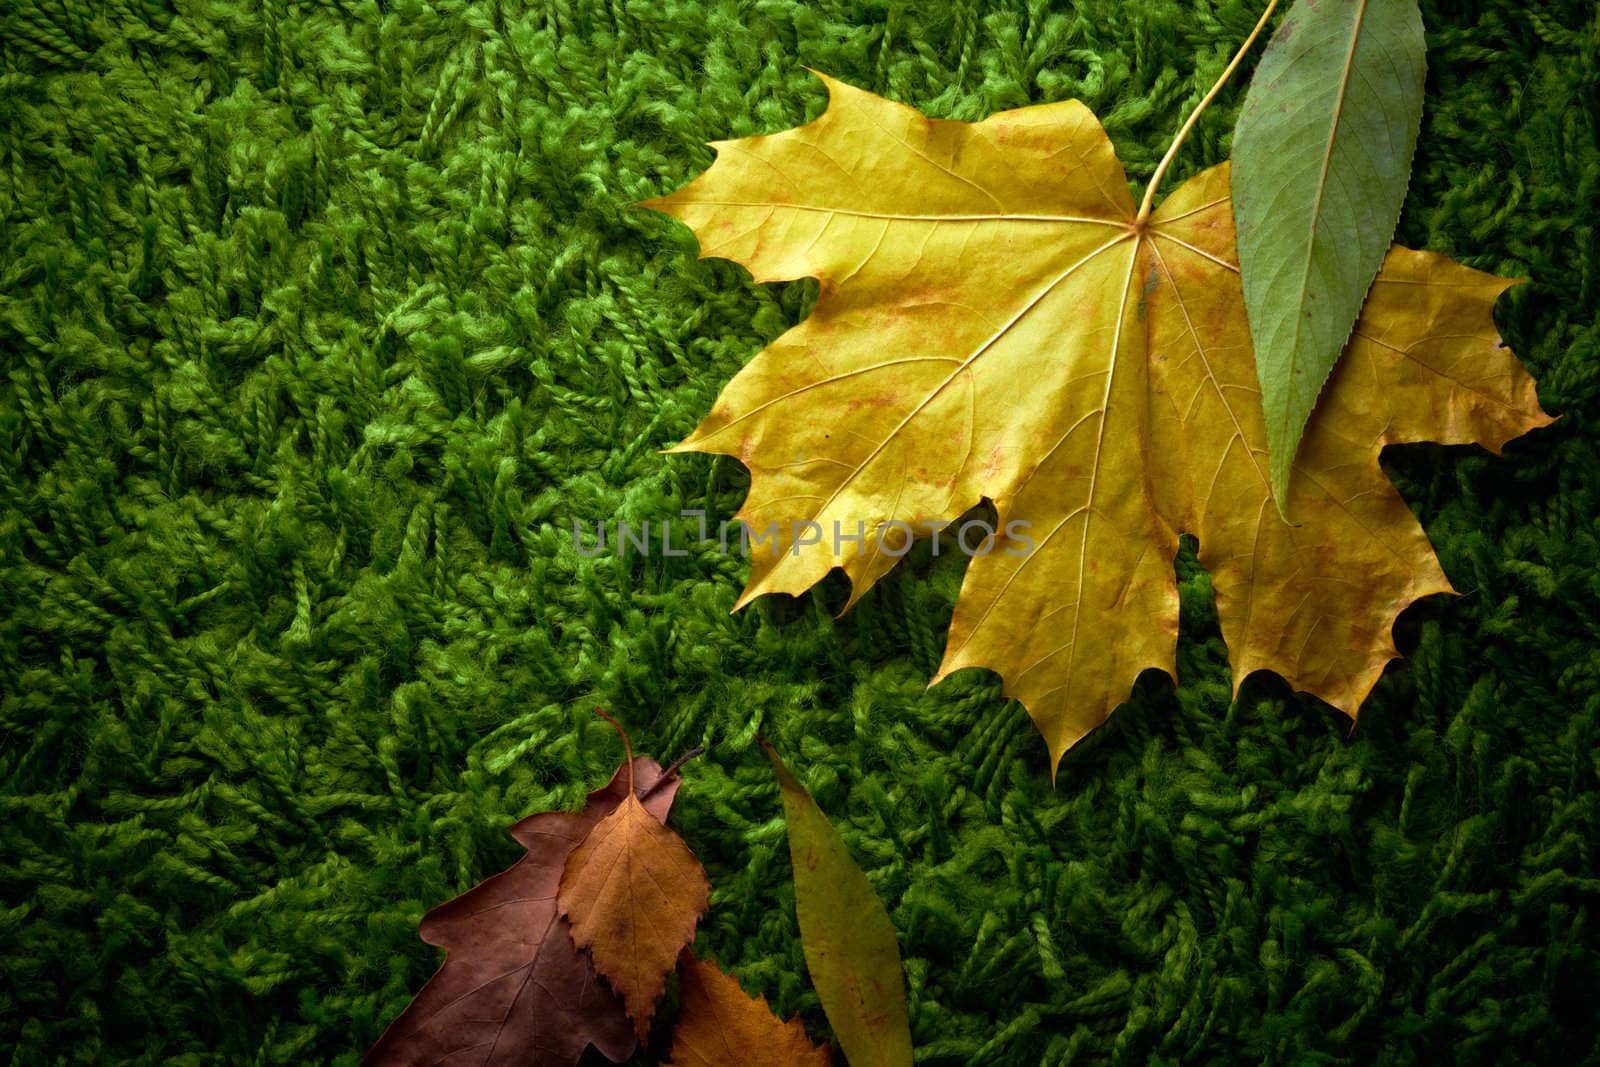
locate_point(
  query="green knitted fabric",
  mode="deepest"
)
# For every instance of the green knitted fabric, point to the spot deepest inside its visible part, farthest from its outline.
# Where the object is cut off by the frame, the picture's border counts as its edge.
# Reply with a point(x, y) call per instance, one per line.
point(322, 323)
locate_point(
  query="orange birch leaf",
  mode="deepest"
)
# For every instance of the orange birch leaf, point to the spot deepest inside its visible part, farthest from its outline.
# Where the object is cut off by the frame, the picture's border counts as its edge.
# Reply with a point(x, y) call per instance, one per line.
point(994, 322)
point(720, 1024)
point(633, 893)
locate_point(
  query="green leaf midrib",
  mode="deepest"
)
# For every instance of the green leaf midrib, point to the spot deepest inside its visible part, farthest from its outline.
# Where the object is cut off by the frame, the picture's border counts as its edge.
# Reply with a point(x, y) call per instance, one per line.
point(1281, 469)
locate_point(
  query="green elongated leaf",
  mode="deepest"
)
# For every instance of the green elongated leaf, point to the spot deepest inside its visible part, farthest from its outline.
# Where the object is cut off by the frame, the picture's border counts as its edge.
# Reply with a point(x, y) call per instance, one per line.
point(1321, 159)
point(848, 940)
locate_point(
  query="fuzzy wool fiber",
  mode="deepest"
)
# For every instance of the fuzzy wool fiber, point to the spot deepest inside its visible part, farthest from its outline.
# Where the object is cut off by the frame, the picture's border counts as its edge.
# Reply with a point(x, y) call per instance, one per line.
point(322, 323)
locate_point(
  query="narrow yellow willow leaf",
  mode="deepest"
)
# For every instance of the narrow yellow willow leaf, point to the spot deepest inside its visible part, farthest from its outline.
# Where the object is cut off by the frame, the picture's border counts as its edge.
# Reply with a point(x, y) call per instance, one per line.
point(997, 321)
point(846, 934)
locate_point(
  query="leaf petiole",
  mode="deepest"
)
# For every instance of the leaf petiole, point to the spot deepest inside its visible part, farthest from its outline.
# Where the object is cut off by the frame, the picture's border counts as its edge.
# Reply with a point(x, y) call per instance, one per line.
point(671, 769)
point(1148, 204)
point(627, 748)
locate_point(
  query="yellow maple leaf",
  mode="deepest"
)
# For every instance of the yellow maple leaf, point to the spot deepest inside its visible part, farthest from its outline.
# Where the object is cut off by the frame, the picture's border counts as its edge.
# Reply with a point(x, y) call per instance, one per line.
point(997, 319)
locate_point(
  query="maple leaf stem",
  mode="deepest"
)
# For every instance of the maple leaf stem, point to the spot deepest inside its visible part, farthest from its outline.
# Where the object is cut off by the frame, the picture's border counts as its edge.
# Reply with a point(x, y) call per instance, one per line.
point(1148, 205)
point(627, 749)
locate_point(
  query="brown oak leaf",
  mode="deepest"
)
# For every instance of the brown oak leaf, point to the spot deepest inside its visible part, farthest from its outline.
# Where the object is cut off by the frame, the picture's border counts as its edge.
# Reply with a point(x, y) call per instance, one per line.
point(514, 989)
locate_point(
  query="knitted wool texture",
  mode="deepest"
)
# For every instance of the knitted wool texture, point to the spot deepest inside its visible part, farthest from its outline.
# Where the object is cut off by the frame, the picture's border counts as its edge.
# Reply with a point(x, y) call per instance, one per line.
point(321, 324)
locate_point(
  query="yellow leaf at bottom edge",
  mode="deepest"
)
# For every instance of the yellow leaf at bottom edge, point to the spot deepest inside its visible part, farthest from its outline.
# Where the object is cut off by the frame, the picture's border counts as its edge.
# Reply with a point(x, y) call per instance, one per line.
point(721, 1024)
